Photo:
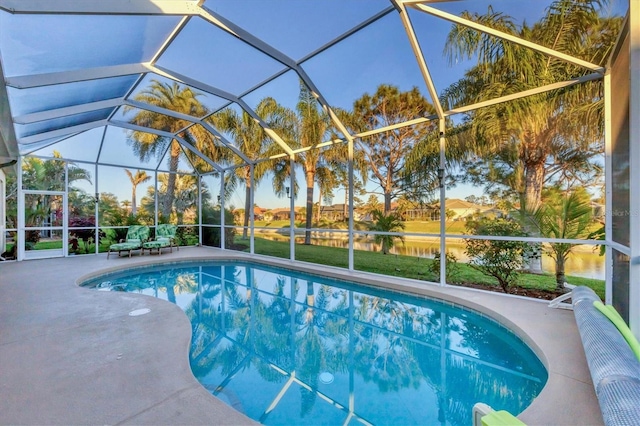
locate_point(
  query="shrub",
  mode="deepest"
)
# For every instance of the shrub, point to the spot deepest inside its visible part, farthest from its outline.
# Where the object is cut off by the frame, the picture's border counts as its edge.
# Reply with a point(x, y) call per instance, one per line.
point(497, 258)
point(451, 263)
point(87, 236)
point(211, 235)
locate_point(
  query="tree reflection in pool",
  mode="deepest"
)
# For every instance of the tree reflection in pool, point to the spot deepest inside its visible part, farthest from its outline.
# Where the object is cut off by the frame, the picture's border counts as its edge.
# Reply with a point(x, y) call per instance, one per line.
point(263, 337)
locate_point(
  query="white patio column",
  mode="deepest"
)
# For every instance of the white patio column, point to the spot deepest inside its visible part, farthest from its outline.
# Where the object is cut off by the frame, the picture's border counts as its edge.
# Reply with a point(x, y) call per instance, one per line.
point(252, 212)
point(443, 207)
point(20, 225)
point(199, 210)
point(608, 190)
point(292, 209)
point(634, 166)
point(351, 218)
point(3, 209)
point(222, 197)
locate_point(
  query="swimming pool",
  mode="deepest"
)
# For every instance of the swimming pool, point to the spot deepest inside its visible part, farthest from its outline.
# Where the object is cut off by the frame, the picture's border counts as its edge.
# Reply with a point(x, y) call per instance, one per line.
point(286, 347)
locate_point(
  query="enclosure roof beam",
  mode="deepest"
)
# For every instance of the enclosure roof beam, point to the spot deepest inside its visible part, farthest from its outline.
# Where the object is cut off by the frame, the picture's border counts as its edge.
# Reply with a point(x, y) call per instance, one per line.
point(505, 36)
point(513, 96)
point(224, 141)
point(225, 95)
point(67, 111)
point(8, 143)
point(193, 120)
point(169, 135)
point(102, 7)
point(422, 64)
point(66, 131)
point(62, 77)
point(275, 54)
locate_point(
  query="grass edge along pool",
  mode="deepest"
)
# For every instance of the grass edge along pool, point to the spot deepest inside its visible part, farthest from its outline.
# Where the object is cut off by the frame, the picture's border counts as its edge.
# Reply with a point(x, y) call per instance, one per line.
point(289, 347)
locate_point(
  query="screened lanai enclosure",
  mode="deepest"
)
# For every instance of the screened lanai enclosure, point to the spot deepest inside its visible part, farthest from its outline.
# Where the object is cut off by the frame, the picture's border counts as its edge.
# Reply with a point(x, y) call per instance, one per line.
point(385, 131)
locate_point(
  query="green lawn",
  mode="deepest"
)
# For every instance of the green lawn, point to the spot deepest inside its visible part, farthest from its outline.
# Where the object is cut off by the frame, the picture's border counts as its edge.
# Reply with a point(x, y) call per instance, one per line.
point(403, 266)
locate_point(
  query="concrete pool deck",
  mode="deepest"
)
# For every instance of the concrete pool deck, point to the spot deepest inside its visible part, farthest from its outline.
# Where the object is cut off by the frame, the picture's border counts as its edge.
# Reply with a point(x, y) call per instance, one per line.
point(72, 355)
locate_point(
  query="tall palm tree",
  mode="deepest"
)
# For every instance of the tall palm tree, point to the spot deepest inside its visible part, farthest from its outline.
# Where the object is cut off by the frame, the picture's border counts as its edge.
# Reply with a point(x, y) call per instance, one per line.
point(181, 99)
point(140, 177)
point(312, 126)
point(536, 128)
point(253, 142)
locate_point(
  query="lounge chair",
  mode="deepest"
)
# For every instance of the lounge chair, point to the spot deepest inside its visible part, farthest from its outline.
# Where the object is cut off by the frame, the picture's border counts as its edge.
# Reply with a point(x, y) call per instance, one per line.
point(136, 236)
point(165, 237)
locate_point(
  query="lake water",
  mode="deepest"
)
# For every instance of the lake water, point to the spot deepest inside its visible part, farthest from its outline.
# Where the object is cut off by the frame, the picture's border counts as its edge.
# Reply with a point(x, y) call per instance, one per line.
point(585, 261)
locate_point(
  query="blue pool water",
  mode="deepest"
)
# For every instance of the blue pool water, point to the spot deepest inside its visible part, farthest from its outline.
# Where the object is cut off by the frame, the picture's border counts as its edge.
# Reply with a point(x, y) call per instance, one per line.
point(291, 348)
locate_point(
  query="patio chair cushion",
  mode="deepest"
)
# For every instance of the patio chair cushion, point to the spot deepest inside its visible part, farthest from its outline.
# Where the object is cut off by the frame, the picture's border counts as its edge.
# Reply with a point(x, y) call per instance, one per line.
point(129, 245)
point(166, 234)
point(155, 245)
point(166, 231)
point(136, 235)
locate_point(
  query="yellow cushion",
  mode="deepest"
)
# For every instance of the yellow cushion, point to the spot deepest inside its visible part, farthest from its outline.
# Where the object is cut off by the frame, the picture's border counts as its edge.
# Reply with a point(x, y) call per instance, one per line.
point(501, 418)
point(610, 312)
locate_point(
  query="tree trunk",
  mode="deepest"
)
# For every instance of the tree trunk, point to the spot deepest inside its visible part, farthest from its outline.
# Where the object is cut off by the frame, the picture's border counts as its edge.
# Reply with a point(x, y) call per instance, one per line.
point(560, 277)
point(387, 202)
point(384, 248)
point(310, 303)
point(310, 178)
point(345, 207)
point(318, 216)
point(167, 205)
point(133, 201)
point(534, 181)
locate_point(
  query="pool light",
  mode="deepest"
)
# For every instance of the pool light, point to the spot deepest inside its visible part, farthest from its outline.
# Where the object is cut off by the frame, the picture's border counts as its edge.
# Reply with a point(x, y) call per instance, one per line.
point(326, 377)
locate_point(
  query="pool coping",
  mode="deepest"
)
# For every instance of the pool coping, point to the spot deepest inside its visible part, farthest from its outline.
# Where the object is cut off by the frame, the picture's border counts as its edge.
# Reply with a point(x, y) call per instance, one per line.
point(567, 398)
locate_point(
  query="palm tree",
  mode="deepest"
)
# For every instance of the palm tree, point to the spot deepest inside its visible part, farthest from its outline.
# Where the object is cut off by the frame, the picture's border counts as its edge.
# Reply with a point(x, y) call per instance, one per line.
point(140, 177)
point(387, 223)
point(44, 175)
point(566, 217)
point(527, 132)
point(253, 142)
point(312, 127)
point(174, 97)
point(185, 197)
point(371, 205)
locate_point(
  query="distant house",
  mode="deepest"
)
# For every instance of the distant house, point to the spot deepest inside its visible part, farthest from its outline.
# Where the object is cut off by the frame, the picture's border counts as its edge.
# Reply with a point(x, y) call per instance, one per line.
point(285, 214)
point(339, 213)
point(335, 212)
point(258, 214)
point(426, 212)
point(462, 209)
point(457, 209)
